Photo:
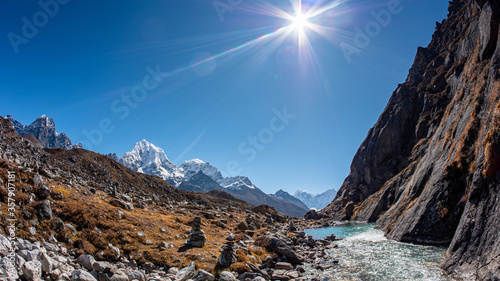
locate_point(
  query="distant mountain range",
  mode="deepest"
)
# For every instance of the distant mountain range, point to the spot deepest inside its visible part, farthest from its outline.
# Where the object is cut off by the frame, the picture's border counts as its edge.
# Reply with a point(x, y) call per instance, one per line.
point(192, 175)
point(197, 175)
point(44, 131)
point(316, 201)
point(281, 194)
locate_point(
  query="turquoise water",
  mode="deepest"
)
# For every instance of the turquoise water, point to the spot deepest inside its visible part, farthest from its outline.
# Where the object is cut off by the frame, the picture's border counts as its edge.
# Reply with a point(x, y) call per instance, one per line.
point(365, 254)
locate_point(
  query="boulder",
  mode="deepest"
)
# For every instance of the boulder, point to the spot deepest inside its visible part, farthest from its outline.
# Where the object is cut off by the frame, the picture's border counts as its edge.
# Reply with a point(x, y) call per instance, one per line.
point(86, 261)
point(311, 215)
point(119, 275)
point(101, 266)
point(227, 276)
point(81, 275)
point(43, 192)
point(32, 271)
point(48, 263)
point(5, 245)
point(43, 211)
point(186, 273)
point(277, 245)
point(137, 275)
point(202, 275)
point(283, 265)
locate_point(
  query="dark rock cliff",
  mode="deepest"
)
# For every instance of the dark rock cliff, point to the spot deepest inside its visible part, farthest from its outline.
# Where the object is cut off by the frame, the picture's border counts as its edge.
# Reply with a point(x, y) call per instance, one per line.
point(44, 130)
point(427, 172)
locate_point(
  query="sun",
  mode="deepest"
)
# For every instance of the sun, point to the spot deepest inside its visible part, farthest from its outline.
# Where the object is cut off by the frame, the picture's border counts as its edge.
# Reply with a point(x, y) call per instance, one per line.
point(299, 21)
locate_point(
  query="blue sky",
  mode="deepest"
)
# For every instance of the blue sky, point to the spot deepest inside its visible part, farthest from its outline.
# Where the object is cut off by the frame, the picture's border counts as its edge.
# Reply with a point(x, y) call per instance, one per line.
point(206, 83)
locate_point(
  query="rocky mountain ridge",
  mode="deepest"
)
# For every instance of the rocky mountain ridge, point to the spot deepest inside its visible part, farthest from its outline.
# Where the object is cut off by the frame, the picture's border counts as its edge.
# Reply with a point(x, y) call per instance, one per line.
point(281, 194)
point(44, 130)
point(427, 172)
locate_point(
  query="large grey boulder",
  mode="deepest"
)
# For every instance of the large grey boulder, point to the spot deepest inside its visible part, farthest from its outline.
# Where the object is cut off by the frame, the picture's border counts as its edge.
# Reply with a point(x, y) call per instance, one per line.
point(32, 271)
point(86, 261)
point(186, 273)
point(44, 211)
point(48, 263)
point(82, 275)
point(5, 246)
point(278, 245)
point(227, 276)
point(137, 275)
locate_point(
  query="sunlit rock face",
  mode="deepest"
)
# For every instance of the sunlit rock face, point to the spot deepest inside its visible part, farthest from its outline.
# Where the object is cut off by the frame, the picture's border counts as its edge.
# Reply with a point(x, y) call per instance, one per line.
point(428, 170)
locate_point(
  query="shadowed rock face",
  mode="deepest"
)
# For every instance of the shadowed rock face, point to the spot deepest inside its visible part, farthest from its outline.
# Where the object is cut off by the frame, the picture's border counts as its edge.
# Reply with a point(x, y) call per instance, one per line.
point(428, 170)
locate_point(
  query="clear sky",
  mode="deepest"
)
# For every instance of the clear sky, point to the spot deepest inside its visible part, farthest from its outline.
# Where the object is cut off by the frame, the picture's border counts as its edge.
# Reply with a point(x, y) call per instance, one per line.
point(286, 102)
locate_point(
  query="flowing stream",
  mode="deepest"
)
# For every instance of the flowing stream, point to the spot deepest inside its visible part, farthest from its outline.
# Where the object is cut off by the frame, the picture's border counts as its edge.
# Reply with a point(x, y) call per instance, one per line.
point(365, 254)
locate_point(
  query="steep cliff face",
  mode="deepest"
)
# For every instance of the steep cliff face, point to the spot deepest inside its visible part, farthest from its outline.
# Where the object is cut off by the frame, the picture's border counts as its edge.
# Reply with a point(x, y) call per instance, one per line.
point(44, 131)
point(428, 170)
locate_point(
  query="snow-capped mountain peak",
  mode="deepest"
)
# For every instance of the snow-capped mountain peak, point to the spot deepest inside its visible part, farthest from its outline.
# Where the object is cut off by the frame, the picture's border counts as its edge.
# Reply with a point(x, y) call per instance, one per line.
point(191, 167)
point(236, 183)
point(147, 158)
point(316, 201)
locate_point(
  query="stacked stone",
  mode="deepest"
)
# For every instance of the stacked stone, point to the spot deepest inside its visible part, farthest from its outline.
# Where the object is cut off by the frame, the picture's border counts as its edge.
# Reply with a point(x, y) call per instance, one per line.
point(227, 256)
point(197, 237)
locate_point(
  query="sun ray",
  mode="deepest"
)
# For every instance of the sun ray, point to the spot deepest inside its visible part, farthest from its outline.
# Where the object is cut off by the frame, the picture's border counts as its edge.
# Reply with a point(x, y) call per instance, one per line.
point(298, 23)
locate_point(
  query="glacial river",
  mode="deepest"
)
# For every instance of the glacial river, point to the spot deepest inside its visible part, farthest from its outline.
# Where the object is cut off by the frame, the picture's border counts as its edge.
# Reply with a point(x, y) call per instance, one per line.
point(365, 254)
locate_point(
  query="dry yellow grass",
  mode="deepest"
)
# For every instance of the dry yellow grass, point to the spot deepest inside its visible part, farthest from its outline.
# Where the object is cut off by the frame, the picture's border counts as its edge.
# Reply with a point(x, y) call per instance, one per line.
point(99, 224)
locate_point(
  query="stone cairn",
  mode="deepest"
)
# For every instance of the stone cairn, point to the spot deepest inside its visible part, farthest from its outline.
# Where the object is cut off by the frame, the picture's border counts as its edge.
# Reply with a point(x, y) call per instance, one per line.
point(197, 237)
point(227, 255)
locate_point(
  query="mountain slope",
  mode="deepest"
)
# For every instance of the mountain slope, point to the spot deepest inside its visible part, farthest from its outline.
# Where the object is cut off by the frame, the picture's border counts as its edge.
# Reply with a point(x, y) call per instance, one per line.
point(90, 204)
point(428, 170)
point(281, 194)
point(316, 201)
point(44, 130)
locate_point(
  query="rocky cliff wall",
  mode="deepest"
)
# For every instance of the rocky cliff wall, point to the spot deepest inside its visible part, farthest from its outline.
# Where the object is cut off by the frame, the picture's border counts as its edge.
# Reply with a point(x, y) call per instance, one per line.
point(428, 170)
